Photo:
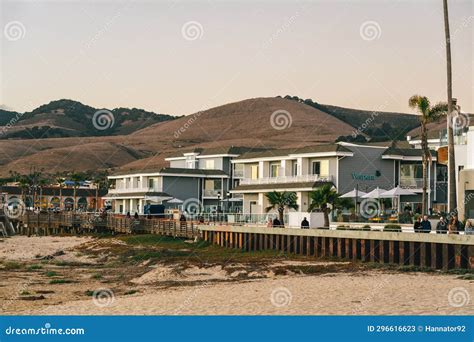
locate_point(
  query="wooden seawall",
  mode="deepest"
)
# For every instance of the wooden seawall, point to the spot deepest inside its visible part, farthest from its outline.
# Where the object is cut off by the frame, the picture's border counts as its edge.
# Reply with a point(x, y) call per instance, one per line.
point(70, 223)
point(437, 251)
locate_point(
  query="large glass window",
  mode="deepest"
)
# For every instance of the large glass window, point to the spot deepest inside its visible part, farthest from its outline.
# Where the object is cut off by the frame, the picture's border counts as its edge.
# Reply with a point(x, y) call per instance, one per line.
point(274, 169)
point(254, 171)
point(316, 168)
point(209, 164)
point(294, 168)
point(411, 171)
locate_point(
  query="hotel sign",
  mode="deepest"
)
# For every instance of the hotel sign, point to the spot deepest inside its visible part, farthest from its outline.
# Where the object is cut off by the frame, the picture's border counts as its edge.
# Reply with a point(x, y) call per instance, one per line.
point(363, 177)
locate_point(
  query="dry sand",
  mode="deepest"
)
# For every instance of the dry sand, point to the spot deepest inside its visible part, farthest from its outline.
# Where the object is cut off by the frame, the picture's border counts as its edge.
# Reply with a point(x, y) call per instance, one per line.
point(170, 289)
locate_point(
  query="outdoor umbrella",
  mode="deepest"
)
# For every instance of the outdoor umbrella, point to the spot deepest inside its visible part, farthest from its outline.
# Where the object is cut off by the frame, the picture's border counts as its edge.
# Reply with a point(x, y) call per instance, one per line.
point(175, 201)
point(376, 193)
point(355, 194)
point(396, 193)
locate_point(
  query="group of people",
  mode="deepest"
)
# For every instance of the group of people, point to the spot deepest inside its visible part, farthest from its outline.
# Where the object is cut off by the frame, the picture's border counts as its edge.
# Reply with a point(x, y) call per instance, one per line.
point(275, 223)
point(453, 226)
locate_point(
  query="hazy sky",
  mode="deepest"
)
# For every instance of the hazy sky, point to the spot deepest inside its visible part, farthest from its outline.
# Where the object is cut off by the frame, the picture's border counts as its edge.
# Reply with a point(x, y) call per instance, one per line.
point(178, 57)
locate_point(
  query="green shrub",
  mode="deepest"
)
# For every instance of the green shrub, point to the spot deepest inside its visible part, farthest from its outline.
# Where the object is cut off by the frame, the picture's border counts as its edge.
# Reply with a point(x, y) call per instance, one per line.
point(392, 228)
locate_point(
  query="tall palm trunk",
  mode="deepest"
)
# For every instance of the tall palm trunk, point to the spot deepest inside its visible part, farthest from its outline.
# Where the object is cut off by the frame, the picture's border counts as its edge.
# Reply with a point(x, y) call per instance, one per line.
point(96, 197)
point(425, 158)
point(280, 216)
point(75, 200)
point(326, 217)
point(60, 197)
point(451, 159)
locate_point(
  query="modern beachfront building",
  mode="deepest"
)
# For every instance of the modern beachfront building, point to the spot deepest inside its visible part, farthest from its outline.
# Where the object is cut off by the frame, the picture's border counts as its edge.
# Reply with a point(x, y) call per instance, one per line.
point(202, 176)
point(344, 165)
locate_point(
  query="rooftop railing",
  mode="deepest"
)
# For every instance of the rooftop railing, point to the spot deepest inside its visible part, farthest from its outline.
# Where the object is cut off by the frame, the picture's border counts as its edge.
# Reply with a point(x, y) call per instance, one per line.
point(286, 179)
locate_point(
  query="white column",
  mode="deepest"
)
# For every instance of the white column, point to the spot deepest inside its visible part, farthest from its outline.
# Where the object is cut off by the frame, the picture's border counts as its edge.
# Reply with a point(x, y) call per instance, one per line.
point(261, 170)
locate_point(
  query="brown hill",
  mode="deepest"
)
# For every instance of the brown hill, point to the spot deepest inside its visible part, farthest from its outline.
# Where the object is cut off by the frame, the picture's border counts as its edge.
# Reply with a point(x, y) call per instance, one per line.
point(254, 123)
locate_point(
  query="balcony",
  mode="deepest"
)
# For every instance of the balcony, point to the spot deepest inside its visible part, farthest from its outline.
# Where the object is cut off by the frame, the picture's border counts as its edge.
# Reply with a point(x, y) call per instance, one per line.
point(412, 183)
point(238, 173)
point(134, 190)
point(286, 179)
point(210, 193)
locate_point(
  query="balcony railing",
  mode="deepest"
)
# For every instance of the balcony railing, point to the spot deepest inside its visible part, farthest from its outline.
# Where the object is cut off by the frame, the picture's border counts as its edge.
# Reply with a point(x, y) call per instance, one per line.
point(412, 183)
point(286, 179)
point(132, 190)
point(238, 173)
point(210, 193)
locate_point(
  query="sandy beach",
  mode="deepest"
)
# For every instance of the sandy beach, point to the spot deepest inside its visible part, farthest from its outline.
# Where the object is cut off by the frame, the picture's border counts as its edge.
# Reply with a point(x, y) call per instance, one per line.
point(83, 275)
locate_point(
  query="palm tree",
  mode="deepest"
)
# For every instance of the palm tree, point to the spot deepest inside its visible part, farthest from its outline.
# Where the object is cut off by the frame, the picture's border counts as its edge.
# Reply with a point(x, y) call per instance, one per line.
point(428, 113)
point(451, 159)
point(100, 182)
point(280, 201)
point(321, 198)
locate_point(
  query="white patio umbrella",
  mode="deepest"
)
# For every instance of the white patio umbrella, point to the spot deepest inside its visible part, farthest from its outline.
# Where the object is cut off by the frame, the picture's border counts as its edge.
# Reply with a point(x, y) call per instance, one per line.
point(175, 201)
point(376, 193)
point(157, 199)
point(355, 194)
point(396, 193)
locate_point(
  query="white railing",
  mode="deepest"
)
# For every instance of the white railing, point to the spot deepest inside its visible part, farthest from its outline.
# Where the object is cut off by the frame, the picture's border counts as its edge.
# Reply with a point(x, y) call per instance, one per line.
point(131, 190)
point(286, 179)
point(411, 183)
point(210, 193)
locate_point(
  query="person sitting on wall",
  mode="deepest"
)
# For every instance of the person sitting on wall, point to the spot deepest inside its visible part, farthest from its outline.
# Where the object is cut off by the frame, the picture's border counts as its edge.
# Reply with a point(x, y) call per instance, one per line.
point(128, 215)
point(469, 228)
point(135, 216)
point(425, 225)
point(269, 223)
point(276, 223)
point(442, 226)
point(417, 225)
point(454, 225)
point(304, 224)
point(182, 218)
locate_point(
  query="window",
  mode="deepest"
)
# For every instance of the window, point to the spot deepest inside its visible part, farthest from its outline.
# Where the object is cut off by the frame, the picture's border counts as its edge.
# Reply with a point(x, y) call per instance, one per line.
point(411, 171)
point(254, 171)
point(151, 182)
point(316, 168)
point(294, 167)
point(274, 170)
point(209, 164)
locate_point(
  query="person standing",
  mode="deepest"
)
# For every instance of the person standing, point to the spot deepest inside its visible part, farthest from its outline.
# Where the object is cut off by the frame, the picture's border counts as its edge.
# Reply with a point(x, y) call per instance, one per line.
point(454, 225)
point(442, 226)
point(417, 225)
point(425, 225)
point(469, 228)
point(304, 224)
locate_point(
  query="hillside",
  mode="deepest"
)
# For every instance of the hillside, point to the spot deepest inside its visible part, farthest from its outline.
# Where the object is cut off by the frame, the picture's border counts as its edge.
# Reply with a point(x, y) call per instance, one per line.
point(67, 118)
point(252, 123)
point(372, 125)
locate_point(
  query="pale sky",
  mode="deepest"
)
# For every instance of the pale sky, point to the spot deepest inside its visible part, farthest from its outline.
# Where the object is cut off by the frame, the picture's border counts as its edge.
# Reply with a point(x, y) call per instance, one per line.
point(359, 54)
